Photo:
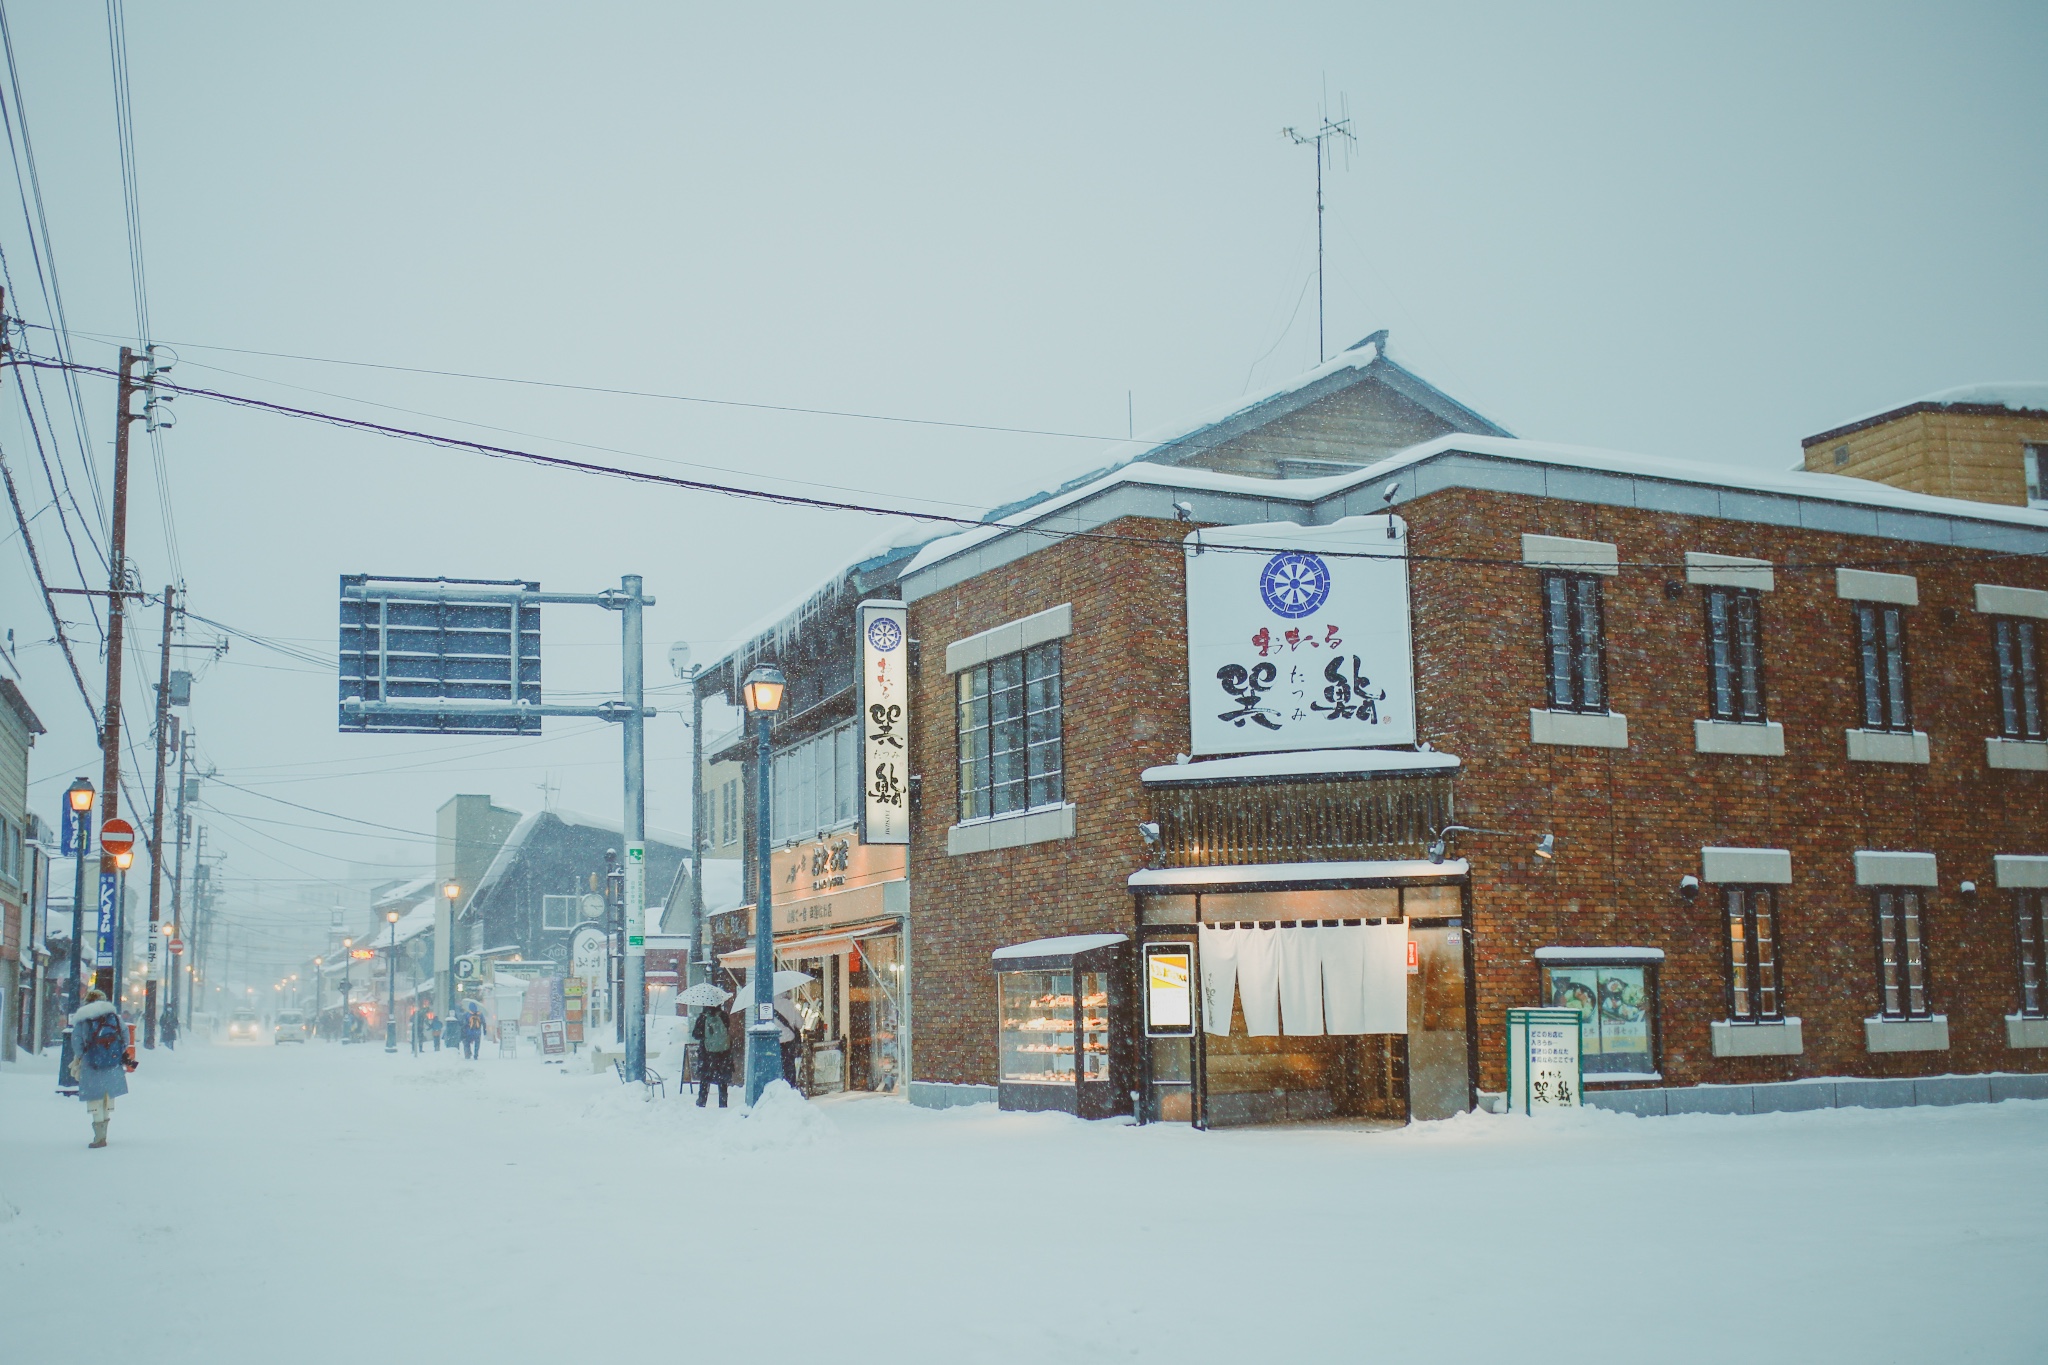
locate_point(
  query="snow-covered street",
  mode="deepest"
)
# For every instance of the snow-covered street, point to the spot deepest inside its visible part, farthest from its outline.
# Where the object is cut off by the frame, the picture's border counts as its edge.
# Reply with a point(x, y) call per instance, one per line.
point(328, 1204)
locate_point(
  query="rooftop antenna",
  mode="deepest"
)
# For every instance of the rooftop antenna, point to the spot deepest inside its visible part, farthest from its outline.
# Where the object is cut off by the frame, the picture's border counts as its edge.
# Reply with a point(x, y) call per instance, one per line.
point(1338, 131)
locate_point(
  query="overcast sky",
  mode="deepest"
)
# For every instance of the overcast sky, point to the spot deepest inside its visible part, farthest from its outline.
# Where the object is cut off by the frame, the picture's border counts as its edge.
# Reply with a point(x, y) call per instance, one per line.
point(1697, 233)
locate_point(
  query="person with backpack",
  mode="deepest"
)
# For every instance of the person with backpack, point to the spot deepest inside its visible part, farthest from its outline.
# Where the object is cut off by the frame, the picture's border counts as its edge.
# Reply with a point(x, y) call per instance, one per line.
point(419, 1029)
point(472, 1031)
point(714, 1051)
point(104, 1060)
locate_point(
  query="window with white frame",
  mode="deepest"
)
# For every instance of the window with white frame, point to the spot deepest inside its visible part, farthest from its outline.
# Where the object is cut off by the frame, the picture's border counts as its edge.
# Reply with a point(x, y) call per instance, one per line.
point(816, 785)
point(2030, 909)
point(1900, 912)
point(2037, 492)
point(1009, 730)
point(1752, 941)
point(559, 912)
point(1735, 655)
point(1575, 648)
point(1885, 694)
point(2016, 643)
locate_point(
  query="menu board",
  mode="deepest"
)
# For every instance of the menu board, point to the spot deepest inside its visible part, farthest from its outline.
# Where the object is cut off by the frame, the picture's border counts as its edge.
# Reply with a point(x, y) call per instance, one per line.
point(1169, 990)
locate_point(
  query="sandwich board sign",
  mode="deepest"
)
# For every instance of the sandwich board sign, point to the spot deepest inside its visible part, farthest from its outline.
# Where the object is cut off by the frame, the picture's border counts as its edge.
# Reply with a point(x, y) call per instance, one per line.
point(1545, 1071)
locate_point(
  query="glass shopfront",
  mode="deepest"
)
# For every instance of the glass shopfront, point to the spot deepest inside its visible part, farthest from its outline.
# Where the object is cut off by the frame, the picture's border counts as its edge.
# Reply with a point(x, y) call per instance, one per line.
point(1316, 1003)
point(852, 1007)
point(1056, 1001)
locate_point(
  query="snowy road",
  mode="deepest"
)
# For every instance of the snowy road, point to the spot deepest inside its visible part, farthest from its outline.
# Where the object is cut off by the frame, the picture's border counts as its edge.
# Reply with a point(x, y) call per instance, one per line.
point(335, 1204)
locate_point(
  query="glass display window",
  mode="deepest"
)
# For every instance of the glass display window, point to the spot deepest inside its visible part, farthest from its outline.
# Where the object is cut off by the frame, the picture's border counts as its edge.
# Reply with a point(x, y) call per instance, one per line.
point(1618, 1003)
point(1038, 1026)
point(1094, 1003)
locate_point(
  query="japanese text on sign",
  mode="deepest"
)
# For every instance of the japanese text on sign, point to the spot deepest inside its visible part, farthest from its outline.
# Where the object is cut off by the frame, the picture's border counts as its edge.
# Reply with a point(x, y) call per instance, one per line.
point(884, 646)
point(1298, 637)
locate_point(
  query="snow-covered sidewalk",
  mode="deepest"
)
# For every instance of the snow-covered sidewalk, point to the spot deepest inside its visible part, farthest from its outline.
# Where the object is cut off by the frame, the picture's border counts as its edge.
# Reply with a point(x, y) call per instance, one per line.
point(335, 1204)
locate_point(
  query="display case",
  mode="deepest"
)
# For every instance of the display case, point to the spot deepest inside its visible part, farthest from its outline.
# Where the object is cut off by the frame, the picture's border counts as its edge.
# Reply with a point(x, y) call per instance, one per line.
point(1058, 1040)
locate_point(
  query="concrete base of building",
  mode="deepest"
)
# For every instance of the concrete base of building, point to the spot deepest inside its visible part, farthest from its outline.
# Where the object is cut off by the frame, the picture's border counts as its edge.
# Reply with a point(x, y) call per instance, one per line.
point(1782, 1038)
point(2017, 755)
point(946, 1095)
point(1781, 1097)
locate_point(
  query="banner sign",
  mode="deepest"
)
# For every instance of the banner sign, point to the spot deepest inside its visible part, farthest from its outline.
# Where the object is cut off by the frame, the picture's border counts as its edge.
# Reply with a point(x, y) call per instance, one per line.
point(1544, 1070)
point(72, 823)
point(884, 629)
point(1298, 637)
point(109, 890)
point(636, 900)
point(1169, 990)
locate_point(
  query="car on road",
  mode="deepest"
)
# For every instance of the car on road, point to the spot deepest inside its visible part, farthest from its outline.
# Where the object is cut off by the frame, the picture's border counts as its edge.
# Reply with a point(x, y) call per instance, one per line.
point(291, 1027)
point(244, 1027)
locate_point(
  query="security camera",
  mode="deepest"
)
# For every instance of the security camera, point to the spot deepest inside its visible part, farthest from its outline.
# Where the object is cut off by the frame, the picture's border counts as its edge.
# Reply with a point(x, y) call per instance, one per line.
point(1149, 832)
point(1387, 497)
point(1689, 887)
point(1184, 511)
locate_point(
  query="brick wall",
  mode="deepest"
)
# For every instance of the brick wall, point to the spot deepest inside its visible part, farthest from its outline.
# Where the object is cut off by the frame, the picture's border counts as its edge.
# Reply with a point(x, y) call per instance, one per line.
point(1124, 708)
point(1630, 823)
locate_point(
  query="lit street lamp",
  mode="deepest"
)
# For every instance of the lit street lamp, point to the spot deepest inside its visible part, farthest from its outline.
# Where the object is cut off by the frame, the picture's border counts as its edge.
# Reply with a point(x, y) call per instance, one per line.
point(123, 861)
point(78, 799)
point(391, 973)
point(763, 691)
point(444, 949)
point(319, 980)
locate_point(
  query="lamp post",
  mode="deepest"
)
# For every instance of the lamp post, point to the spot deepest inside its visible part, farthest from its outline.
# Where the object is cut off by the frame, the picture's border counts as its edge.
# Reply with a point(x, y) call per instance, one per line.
point(118, 986)
point(348, 948)
point(763, 692)
point(319, 980)
point(444, 948)
point(391, 975)
point(78, 799)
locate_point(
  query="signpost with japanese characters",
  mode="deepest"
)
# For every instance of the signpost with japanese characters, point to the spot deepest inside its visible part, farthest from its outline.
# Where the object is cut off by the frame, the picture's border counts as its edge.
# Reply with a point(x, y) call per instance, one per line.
point(884, 628)
point(1298, 637)
point(1544, 1070)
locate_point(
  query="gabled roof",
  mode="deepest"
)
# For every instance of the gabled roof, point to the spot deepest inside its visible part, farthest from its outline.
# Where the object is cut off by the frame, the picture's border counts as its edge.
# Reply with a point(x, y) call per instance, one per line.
point(11, 695)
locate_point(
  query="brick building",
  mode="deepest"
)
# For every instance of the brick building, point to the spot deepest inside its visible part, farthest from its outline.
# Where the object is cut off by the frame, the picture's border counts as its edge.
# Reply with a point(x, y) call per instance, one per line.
point(1753, 766)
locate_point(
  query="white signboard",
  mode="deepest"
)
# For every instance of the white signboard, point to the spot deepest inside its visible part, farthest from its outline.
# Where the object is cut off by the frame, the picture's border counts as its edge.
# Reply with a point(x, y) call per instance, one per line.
point(1544, 1067)
point(884, 628)
point(1298, 637)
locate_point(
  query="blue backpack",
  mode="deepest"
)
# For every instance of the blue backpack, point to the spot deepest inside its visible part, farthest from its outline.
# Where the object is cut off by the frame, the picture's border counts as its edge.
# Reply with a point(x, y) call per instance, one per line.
point(105, 1042)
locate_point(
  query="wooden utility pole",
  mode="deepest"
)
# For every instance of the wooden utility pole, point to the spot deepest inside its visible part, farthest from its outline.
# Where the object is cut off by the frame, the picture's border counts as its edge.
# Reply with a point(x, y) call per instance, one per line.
point(117, 588)
point(156, 824)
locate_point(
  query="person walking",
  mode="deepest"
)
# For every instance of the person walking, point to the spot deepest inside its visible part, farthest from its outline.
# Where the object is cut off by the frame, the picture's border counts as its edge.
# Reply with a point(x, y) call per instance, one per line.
point(714, 1051)
point(789, 1027)
point(472, 1031)
point(103, 1062)
point(419, 1029)
point(167, 1027)
point(434, 1027)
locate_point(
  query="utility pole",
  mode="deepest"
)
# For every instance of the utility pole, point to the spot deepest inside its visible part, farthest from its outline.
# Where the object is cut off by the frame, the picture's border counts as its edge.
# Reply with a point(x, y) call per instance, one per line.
point(178, 875)
point(635, 737)
point(156, 823)
point(199, 918)
point(1338, 129)
point(117, 585)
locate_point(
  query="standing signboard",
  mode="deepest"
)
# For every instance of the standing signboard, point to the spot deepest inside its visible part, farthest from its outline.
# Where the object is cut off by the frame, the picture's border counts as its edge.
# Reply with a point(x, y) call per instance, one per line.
point(1544, 1069)
point(572, 1008)
point(1298, 637)
point(1169, 990)
point(553, 1039)
point(884, 630)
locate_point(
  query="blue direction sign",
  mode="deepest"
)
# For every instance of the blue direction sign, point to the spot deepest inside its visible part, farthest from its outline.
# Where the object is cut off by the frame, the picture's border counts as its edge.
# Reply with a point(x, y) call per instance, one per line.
point(417, 644)
point(108, 892)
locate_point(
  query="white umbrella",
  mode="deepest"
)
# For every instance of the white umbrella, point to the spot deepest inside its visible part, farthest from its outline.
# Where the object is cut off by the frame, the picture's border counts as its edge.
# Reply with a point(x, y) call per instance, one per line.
point(784, 981)
point(703, 993)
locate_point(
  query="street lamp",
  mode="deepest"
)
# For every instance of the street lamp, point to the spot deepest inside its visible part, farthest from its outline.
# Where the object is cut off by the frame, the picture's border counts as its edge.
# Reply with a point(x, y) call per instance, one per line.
point(444, 950)
point(78, 800)
point(319, 980)
point(122, 862)
point(348, 946)
point(763, 691)
point(391, 974)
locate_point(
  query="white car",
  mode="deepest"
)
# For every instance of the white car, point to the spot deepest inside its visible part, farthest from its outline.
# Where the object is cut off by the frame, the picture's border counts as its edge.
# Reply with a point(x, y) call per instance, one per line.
point(291, 1027)
point(244, 1027)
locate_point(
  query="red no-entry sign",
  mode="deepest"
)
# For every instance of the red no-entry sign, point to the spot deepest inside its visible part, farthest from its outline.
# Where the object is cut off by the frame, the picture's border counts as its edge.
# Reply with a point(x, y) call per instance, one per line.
point(117, 836)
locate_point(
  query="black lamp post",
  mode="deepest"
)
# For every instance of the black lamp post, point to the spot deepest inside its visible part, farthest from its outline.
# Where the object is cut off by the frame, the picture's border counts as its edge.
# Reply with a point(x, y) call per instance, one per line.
point(763, 691)
point(391, 974)
point(79, 798)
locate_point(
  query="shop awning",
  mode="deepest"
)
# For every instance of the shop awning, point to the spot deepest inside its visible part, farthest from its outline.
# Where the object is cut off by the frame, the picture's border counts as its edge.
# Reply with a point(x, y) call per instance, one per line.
point(813, 945)
point(1169, 880)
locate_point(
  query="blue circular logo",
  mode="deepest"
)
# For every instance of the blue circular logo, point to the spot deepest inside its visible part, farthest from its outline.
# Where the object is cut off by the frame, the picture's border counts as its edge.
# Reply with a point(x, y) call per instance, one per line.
point(884, 634)
point(1295, 583)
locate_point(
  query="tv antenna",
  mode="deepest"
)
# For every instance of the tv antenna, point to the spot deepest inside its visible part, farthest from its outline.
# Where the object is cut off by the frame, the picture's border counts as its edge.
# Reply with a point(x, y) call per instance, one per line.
point(1330, 131)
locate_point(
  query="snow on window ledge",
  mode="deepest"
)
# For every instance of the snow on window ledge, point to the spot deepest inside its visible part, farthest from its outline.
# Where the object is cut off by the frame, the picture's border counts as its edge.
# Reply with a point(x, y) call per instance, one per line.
point(1012, 829)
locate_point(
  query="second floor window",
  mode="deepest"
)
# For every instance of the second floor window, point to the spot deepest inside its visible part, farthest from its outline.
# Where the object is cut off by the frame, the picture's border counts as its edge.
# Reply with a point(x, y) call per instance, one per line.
point(1752, 955)
point(1735, 655)
point(1008, 718)
point(1887, 702)
point(2018, 647)
point(1575, 648)
point(1901, 953)
point(2032, 908)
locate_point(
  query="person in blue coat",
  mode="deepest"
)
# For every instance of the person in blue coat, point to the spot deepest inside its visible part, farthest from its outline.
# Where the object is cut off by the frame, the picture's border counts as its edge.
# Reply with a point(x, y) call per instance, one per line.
point(102, 1061)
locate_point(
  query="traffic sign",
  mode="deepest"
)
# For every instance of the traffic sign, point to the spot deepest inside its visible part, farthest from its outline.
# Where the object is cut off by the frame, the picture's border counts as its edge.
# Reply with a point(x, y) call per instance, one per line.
point(177, 946)
point(117, 836)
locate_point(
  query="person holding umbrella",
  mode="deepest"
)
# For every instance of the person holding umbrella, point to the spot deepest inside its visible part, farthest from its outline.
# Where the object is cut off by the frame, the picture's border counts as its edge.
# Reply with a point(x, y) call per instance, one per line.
point(713, 1037)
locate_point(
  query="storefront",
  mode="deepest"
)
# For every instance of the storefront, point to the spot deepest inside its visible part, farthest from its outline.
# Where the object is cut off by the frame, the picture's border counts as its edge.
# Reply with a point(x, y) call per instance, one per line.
point(1315, 991)
point(839, 907)
point(1063, 1011)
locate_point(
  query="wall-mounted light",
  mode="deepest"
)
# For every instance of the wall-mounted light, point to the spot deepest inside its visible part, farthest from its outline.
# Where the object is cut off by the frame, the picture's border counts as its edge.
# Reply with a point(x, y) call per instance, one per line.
point(1546, 847)
point(1968, 890)
point(1689, 887)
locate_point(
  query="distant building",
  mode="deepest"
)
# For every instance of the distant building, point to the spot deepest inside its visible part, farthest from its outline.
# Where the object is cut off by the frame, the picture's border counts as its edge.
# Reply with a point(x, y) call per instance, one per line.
point(1983, 442)
point(18, 861)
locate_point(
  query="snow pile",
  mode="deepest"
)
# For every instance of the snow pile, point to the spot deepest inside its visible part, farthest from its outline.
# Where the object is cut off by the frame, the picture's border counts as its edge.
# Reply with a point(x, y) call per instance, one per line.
point(784, 1119)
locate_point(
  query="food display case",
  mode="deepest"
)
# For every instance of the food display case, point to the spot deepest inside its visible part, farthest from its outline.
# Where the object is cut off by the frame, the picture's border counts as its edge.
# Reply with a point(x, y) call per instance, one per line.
point(1059, 1008)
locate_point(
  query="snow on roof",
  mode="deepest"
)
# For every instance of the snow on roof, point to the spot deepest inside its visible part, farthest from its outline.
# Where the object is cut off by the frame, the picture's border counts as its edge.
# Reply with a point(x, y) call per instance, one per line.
point(2024, 395)
point(902, 536)
point(416, 921)
point(406, 893)
point(613, 825)
point(1308, 492)
point(1303, 763)
point(722, 885)
point(1599, 954)
point(1064, 946)
point(1284, 874)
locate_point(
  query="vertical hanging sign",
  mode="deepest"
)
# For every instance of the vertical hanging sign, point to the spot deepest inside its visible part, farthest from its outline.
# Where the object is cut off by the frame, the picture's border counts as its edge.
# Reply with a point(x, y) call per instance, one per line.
point(636, 900)
point(884, 629)
point(104, 956)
